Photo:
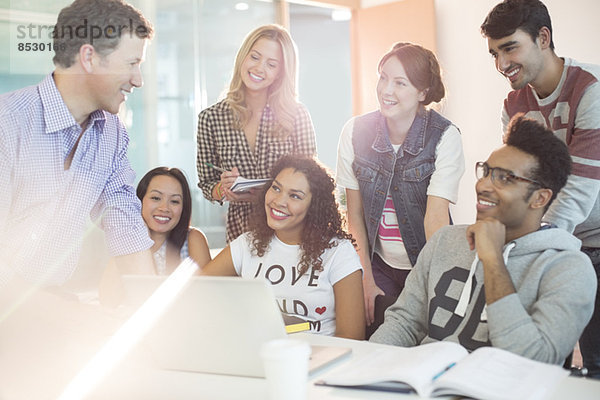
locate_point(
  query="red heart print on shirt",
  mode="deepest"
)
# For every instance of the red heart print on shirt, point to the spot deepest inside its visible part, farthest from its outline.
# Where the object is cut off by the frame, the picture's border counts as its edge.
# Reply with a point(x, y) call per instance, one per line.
point(320, 310)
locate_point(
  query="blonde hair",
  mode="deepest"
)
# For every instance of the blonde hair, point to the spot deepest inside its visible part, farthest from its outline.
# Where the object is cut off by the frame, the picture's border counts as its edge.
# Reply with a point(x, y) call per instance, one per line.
point(282, 92)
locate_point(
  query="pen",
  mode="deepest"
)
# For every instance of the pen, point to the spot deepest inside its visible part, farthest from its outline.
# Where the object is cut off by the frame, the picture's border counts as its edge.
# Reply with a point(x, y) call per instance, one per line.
point(442, 372)
point(214, 166)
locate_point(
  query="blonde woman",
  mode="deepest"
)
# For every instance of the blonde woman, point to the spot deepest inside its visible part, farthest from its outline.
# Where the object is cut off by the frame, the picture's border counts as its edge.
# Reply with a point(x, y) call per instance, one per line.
point(259, 121)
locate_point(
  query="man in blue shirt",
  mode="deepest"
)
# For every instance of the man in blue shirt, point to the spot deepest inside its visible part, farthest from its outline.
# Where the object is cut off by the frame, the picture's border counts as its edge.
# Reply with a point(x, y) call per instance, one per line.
point(63, 152)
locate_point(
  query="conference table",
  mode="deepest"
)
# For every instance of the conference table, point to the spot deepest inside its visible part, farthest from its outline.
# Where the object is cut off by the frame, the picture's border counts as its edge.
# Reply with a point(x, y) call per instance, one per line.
point(41, 352)
point(132, 380)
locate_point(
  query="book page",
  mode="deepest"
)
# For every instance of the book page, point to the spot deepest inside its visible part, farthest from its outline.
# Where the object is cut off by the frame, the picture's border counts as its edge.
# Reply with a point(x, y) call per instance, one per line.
point(496, 374)
point(415, 366)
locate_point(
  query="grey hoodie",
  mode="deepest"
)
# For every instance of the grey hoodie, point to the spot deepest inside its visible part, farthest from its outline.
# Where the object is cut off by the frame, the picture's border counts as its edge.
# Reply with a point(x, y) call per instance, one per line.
point(555, 285)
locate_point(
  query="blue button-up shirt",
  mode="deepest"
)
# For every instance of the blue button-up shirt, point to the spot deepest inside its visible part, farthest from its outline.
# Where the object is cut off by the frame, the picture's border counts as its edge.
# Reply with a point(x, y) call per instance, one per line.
point(44, 209)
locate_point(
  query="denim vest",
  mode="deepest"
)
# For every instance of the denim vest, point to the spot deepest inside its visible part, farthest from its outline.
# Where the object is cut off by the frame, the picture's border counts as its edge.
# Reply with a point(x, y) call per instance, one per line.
point(405, 175)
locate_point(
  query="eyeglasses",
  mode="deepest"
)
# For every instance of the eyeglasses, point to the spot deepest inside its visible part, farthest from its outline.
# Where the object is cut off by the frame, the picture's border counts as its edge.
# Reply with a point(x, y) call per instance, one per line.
point(500, 176)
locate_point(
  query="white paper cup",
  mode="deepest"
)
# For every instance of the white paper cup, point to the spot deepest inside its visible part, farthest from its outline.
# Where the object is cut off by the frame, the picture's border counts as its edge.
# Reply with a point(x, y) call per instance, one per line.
point(286, 368)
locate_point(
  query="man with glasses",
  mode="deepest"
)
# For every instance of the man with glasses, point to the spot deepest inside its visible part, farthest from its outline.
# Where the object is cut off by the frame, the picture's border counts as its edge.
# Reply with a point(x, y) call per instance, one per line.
point(507, 280)
point(564, 95)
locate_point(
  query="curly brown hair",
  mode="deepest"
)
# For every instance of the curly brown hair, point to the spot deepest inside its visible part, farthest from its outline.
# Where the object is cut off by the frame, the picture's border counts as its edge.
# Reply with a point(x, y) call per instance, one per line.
point(323, 221)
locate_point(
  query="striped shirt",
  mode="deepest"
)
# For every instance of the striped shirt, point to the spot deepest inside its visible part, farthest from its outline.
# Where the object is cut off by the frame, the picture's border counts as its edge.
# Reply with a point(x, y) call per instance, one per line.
point(44, 208)
point(221, 144)
point(572, 111)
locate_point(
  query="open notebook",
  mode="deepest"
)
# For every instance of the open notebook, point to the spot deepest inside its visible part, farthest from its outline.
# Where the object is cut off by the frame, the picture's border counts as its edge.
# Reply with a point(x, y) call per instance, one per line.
point(216, 325)
point(242, 184)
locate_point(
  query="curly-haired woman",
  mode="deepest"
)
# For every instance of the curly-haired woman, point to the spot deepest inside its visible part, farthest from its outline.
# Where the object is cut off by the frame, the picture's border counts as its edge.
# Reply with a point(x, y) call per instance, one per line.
point(297, 242)
point(259, 121)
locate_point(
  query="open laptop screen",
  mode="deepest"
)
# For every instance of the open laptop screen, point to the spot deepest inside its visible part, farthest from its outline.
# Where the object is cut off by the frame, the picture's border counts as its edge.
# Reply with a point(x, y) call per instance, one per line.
point(214, 325)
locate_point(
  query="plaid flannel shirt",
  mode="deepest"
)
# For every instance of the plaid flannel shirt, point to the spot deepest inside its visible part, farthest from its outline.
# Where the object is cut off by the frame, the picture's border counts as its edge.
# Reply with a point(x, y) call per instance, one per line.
point(221, 144)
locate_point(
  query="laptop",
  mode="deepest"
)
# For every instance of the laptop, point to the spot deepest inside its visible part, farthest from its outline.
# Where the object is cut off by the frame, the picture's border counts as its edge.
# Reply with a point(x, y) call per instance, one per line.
point(217, 325)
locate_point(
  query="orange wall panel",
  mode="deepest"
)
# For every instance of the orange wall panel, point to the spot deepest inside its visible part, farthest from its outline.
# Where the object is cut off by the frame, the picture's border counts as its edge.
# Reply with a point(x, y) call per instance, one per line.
point(373, 32)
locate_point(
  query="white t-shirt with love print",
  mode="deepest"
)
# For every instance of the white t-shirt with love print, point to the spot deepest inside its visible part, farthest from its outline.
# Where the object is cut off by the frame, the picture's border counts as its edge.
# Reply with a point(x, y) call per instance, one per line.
point(310, 296)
